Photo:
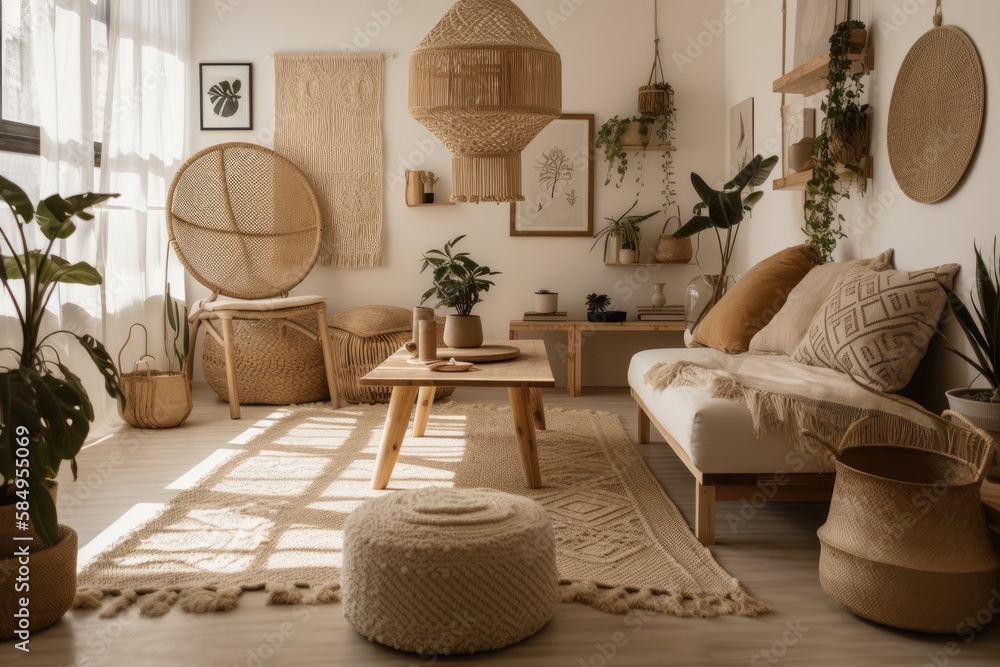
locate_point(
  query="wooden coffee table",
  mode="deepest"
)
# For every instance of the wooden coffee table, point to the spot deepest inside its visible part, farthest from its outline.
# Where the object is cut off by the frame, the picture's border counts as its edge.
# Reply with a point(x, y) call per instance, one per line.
point(415, 383)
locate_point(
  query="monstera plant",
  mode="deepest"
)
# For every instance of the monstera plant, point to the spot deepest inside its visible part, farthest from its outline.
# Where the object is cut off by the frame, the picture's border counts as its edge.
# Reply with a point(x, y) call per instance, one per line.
point(45, 412)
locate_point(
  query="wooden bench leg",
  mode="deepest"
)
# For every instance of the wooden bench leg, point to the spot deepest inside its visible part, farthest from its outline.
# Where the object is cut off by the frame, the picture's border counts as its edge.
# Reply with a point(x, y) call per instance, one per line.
point(230, 351)
point(704, 511)
point(537, 408)
point(397, 418)
point(324, 339)
point(643, 426)
point(524, 431)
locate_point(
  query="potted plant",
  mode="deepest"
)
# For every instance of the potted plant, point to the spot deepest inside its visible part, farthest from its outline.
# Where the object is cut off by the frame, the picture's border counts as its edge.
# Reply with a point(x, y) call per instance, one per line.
point(546, 302)
point(843, 143)
point(725, 210)
point(597, 309)
point(618, 133)
point(458, 282)
point(45, 412)
point(982, 330)
point(625, 229)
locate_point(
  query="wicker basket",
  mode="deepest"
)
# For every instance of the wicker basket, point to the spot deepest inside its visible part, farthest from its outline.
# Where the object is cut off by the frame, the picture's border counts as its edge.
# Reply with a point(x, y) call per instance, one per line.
point(363, 338)
point(906, 542)
point(670, 250)
point(275, 365)
point(53, 585)
point(153, 399)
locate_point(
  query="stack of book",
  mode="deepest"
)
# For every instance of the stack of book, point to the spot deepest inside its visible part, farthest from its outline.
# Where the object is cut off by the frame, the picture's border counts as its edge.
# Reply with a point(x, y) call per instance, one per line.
point(661, 313)
point(532, 316)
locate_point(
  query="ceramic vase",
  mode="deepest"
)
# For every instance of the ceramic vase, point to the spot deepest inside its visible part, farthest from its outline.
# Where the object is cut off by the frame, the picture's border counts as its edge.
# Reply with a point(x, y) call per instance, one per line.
point(700, 296)
point(658, 299)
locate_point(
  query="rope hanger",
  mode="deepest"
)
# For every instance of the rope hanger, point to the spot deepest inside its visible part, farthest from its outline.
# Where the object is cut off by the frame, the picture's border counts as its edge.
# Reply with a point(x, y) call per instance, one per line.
point(938, 16)
point(657, 65)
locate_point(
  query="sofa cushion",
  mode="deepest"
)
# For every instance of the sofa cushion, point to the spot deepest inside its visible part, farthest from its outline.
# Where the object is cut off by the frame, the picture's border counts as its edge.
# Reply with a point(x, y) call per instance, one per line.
point(717, 435)
point(787, 329)
point(751, 303)
point(876, 325)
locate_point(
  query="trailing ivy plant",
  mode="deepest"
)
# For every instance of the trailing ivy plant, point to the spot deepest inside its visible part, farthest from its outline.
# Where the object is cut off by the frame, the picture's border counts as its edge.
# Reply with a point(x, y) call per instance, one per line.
point(661, 125)
point(845, 130)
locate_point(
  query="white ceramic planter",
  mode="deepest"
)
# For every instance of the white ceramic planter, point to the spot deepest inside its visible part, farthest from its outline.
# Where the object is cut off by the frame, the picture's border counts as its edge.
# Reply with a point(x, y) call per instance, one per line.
point(546, 303)
point(984, 415)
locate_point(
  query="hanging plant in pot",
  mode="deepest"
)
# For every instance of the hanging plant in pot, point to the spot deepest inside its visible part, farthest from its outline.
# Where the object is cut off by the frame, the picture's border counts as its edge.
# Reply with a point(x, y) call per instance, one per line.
point(458, 282)
point(45, 411)
point(625, 229)
point(843, 143)
point(981, 326)
point(725, 210)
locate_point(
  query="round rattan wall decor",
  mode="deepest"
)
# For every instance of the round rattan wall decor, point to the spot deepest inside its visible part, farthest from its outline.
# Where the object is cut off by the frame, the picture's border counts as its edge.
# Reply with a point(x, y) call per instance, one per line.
point(936, 114)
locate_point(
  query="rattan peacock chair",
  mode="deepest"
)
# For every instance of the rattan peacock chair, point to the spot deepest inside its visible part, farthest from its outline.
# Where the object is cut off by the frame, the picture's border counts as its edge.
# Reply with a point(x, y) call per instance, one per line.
point(245, 223)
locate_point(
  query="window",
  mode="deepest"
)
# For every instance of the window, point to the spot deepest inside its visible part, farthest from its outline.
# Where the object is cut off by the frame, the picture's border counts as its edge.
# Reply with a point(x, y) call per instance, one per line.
point(19, 117)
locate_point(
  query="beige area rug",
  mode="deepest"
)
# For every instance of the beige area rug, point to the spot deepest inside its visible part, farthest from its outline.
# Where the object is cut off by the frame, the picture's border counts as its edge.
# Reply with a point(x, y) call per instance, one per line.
point(271, 515)
point(328, 121)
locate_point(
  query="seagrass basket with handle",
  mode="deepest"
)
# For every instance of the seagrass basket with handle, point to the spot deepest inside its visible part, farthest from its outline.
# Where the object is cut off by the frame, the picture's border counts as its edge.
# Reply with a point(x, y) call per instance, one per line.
point(153, 399)
point(671, 250)
point(906, 542)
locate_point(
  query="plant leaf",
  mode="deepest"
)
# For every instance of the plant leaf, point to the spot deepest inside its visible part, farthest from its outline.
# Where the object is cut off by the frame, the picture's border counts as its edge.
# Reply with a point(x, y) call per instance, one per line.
point(17, 199)
point(105, 365)
point(697, 224)
point(53, 217)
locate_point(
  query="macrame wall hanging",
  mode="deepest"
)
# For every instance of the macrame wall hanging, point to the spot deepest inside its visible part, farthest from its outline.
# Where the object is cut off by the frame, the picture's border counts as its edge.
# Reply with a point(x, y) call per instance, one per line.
point(936, 113)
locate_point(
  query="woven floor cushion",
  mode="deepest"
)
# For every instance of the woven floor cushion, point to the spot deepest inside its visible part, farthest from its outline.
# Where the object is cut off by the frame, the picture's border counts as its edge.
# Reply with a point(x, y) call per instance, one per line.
point(273, 366)
point(363, 338)
point(449, 571)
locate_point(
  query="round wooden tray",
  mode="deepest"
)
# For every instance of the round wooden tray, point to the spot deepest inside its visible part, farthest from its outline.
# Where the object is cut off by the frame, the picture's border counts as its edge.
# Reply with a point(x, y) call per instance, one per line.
point(479, 355)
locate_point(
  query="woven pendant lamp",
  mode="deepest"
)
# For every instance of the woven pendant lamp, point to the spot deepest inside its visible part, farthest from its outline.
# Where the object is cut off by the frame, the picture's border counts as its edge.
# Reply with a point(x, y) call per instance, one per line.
point(485, 82)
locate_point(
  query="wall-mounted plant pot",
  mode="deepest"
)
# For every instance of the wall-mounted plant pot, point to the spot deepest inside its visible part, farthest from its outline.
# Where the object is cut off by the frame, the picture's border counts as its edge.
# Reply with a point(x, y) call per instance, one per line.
point(609, 316)
point(857, 40)
point(849, 145)
point(633, 136)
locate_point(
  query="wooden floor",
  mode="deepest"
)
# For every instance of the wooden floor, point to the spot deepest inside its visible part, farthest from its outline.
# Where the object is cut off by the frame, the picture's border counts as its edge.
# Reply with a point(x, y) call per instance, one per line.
point(773, 551)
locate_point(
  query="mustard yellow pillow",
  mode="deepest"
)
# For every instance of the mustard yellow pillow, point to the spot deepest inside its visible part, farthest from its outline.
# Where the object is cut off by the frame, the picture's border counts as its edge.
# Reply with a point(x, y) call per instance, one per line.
point(751, 303)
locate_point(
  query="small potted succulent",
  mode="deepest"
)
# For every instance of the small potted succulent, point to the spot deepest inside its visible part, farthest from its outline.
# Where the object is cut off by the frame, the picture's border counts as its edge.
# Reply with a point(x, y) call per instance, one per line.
point(597, 309)
point(546, 301)
point(458, 282)
point(981, 326)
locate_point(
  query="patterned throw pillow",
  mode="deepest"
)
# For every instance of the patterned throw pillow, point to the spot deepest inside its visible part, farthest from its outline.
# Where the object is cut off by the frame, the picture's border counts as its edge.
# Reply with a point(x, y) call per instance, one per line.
point(876, 325)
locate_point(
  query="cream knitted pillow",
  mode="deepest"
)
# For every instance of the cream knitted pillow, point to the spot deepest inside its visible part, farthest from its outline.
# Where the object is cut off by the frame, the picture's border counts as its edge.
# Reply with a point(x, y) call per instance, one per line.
point(876, 325)
point(791, 323)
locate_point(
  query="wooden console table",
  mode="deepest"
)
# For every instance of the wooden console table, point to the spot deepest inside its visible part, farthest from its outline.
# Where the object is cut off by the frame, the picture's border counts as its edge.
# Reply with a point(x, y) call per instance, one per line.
point(577, 331)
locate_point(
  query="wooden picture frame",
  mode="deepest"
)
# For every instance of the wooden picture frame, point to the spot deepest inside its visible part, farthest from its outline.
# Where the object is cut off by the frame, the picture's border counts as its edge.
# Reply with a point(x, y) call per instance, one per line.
point(557, 178)
point(226, 96)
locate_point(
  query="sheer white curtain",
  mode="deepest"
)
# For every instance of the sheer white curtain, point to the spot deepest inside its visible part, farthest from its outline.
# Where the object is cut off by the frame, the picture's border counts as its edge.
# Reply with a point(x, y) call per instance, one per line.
point(143, 140)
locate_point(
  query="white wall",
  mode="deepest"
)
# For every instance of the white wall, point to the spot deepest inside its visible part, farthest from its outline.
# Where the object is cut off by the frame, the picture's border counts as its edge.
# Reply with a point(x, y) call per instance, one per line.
point(923, 235)
point(606, 48)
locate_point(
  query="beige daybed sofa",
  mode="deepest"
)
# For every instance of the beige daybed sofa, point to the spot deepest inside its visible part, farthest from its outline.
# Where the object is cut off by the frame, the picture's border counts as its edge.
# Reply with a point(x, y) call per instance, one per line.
point(715, 437)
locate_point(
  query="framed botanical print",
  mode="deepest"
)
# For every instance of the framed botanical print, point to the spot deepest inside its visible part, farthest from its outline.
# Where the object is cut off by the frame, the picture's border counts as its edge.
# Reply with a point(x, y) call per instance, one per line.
point(557, 179)
point(226, 96)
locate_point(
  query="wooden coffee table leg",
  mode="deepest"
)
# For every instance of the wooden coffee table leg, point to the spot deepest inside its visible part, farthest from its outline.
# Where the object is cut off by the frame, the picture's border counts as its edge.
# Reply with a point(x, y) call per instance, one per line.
point(524, 430)
point(425, 399)
point(537, 408)
point(396, 421)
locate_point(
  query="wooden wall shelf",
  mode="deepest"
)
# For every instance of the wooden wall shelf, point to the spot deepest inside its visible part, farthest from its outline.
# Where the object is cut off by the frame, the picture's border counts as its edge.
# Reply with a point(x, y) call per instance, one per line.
point(437, 203)
point(810, 78)
point(646, 264)
point(800, 180)
point(666, 148)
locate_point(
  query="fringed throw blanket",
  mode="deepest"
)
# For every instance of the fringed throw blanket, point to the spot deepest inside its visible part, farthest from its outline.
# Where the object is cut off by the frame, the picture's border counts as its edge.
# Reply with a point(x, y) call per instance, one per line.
point(271, 515)
point(814, 407)
point(328, 122)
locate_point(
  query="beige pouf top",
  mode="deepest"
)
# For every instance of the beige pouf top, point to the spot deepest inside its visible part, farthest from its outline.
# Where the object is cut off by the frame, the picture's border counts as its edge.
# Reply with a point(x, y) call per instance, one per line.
point(445, 571)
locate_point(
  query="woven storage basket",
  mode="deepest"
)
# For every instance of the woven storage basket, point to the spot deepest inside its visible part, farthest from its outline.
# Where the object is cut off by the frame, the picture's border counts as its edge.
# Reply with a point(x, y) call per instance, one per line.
point(670, 250)
point(275, 365)
point(362, 338)
point(153, 399)
point(906, 542)
point(53, 585)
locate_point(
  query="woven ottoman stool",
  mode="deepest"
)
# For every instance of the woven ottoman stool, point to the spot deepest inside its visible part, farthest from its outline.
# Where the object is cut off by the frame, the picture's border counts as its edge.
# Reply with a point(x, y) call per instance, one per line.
point(362, 338)
point(447, 571)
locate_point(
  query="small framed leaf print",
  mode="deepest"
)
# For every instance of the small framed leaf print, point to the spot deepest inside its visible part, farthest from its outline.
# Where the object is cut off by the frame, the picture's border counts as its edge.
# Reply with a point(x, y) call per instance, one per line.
point(226, 96)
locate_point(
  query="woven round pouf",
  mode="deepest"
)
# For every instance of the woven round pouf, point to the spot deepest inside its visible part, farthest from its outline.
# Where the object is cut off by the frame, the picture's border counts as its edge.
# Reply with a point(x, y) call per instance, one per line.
point(275, 365)
point(446, 571)
point(364, 337)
